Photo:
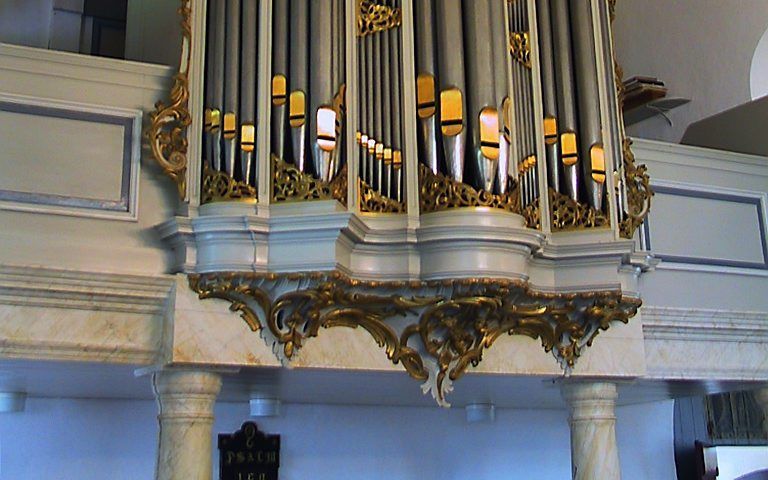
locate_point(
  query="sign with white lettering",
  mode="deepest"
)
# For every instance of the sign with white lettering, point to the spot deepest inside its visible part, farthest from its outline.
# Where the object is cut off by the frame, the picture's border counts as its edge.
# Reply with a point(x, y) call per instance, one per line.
point(249, 454)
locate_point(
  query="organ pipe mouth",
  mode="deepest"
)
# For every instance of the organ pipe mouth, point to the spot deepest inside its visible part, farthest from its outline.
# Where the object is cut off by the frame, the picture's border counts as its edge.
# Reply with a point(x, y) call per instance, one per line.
point(230, 126)
point(569, 149)
point(489, 133)
point(326, 128)
point(506, 114)
point(371, 145)
point(451, 112)
point(212, 119)
point(397, 158)
point(379, 151)
point(297, 109)
point(597, 155)
point(279, 90)
point(550, 130)
point(387, 156)
point(425, 95)
point(364, 140)
point(247, 137)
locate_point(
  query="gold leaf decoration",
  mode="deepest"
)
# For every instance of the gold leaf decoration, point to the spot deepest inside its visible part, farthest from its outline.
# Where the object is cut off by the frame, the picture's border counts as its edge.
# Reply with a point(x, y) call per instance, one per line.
point(373, 17)
point(372, 201)
point(220, 187)
point(520, 48)
point(639, 193)
point(167, 130)
point(438, 193)
point(448, 324)
point(532, 215)
point(291, 185)
point(567, 214)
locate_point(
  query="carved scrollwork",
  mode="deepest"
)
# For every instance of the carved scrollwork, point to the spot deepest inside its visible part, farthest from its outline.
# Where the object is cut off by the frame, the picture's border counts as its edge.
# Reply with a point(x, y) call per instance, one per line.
point(639, 193)
point(373, 17)
point(220, 187)
point(167, 131)
point(567, 214)
point(438, 193)
point(520, 48)
point(291, 185)
point(372, 201)
point(436, 330)
point(532, 215)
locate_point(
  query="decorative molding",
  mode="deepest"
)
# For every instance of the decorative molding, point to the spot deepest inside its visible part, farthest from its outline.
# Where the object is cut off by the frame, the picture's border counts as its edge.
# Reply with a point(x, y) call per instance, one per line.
point(695, 325)
point(374, 18)
point(220, 187)
point(568, 214)
point(289, 184)
point(372, 201)
point(457, 319)
point(758, 199)
point(167, 132)
point(126, 207)
point(51, 288)
point(438, 193)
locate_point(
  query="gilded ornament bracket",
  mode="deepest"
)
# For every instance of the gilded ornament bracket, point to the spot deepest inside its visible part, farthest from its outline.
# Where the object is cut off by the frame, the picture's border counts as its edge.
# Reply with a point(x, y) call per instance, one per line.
point(372, 201)
point(568, 214)
point(167, 130)
point(437, 330)
point(438, 193)
point(220, 187)
point(373, 17)
point(289, 184)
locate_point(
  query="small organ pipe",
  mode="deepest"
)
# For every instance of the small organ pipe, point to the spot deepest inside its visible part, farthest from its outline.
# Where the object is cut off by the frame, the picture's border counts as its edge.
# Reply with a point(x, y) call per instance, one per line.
point(232, 83)
point(499, 46)
point(280, 18)
point(426, 89)
point(320, 88)
point(549, 93)
point(248, 88)
point(297, 80)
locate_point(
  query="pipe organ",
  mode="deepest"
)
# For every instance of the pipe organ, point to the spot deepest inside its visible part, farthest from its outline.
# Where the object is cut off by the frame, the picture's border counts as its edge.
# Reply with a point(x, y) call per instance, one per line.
point(511, 104)
point(407, 167)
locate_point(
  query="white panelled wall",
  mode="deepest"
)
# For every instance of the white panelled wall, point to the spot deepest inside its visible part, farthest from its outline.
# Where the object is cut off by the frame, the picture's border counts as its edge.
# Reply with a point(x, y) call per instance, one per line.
point(116, 439)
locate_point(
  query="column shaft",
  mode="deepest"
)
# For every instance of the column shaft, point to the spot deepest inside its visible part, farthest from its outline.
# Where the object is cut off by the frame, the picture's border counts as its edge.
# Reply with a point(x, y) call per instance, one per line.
point(594, 455)
point(185, 402)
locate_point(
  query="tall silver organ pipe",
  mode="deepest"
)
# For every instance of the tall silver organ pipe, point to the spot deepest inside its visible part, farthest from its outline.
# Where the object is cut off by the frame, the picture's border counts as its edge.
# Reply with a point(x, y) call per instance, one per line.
point(279, 101)
point(482, 114)
point(426, 90)
point(231, 87)
point(585, 63)
point(379, 70)
point(566, 99)
point(321, 90)
point(298, 80)
point(450, 39)
point(499, 46)
point(549, 93)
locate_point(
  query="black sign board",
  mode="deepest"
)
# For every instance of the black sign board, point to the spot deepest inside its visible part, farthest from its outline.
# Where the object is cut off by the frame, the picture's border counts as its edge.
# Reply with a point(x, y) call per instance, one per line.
point(249, 454)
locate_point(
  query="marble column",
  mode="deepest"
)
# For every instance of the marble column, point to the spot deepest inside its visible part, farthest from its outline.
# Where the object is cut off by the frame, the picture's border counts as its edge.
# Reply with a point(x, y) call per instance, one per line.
point(594, 455)
point(761, 395)
point(185, 401)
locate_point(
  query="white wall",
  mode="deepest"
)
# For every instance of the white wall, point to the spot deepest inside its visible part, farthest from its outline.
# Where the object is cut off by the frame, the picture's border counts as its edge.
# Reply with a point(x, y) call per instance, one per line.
point(26, 22)
point(702, 49)
point(97, 439)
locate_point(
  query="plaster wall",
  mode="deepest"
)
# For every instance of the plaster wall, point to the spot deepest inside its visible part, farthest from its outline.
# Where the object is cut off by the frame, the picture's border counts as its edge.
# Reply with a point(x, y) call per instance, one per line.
point(702, 50)
point(94, 439)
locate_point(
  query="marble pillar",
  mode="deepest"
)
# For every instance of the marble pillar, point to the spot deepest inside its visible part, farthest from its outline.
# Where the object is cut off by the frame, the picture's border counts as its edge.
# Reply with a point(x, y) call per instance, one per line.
point(761, 395)
point(185, 401)
point(594, 455)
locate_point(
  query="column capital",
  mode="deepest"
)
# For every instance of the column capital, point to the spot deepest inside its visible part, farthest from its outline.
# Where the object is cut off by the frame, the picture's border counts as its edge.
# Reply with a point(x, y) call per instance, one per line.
point(186, 382)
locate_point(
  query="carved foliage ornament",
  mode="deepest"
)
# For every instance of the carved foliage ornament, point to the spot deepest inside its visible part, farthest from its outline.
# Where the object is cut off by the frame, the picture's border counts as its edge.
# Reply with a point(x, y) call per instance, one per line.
point(373, 17)
point(372, 201)
point(438, 192)
point(568, 214)
point(436, 330)
point(167, 131)
point(289, 184)
point(220, 187)
point(520, 48)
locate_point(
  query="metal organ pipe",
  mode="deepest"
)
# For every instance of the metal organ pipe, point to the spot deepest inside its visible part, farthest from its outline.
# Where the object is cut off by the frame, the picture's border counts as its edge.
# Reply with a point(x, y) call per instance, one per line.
point(215, 81)
point(248, 89)
point(499, 44)
point(593, 161)
point(426, 90)
point(280, 18)
point(482, 114)
point(396, 77)
point(232, 84)
point(320, 88)
point(297, 80)
point(549, 93)
point(450, 39)
point(566, 100)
